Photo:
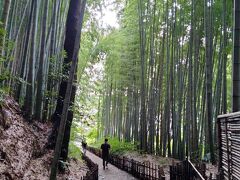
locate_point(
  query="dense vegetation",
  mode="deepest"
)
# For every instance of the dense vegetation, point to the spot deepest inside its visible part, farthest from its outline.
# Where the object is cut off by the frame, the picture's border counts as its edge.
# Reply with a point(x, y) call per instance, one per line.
point(156, 81)
point(166, 76)
point(39, 45)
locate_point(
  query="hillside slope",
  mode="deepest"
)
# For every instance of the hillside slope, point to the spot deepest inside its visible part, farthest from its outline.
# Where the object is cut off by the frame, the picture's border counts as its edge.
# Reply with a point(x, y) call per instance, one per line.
point(22, 152)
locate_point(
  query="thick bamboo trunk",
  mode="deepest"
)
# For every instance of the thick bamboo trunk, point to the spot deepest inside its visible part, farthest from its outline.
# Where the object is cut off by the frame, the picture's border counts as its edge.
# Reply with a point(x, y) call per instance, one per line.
point(74, 23)
point(41, 75)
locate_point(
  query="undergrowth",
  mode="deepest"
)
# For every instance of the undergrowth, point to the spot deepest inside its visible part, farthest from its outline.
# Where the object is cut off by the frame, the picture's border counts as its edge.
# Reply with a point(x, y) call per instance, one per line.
point(117, 147)
point(74, 151)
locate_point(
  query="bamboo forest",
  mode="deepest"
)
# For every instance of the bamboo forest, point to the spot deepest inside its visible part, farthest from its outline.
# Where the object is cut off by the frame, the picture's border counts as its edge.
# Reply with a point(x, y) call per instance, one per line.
point(119, 89)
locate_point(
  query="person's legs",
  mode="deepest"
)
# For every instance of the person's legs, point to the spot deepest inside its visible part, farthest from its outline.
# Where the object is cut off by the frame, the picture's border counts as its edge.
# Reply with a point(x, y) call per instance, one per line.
point(107, 159)
point(104, 162)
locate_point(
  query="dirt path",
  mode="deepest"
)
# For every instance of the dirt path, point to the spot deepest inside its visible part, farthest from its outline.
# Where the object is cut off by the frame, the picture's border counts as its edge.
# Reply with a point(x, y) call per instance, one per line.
point(112, 173)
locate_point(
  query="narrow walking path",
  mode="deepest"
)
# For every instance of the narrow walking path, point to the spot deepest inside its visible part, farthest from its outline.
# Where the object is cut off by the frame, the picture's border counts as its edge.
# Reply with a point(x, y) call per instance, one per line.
point(112, 173)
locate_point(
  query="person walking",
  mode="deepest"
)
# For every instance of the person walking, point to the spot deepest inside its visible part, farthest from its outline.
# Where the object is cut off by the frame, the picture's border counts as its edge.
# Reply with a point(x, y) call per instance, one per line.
point(84, 146)
point(105, 153)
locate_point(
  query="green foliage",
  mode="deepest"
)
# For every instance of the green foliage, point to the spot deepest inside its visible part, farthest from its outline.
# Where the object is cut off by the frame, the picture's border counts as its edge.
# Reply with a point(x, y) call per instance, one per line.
point(117, 147)
point(49, 94)
point(74, 151)
point(53, 63)
point(21, 80)
point(3, 92)
point(76, 131)
point(167, 42)
point(92, 136)
point(5, 75)
point(2, 32)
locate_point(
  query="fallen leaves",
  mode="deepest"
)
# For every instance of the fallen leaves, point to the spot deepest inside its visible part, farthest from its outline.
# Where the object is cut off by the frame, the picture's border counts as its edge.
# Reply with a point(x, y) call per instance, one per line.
point(22, 148)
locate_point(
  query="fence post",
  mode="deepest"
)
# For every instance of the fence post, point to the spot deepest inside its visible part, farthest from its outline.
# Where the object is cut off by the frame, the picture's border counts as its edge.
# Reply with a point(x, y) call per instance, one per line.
point(220, 175)
point(203, 170)
point(210, 178)
point(147, 168)
point(219, 144)
point(156, 171)
point(143, 173)
point(220, 153)
point(151, 168)
point(171, 172)
point(228, 152)
point(186, 170)
point(161, 174)
point(132, 167)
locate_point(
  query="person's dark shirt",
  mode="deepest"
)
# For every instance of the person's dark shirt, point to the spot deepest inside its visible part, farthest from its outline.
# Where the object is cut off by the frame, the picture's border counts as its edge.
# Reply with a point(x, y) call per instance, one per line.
point(105, 149)
point(84, 144)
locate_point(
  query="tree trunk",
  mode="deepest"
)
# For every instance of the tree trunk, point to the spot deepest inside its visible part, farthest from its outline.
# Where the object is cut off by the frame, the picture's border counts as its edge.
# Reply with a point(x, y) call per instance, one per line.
point(29, 98)
point(209, 69)
point(5, 15)
point(73, 34)
point(41, 76)
point(143, 124)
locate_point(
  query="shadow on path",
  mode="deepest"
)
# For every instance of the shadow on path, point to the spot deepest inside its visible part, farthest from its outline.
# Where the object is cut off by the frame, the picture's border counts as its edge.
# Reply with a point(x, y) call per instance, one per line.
point(112, 173)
